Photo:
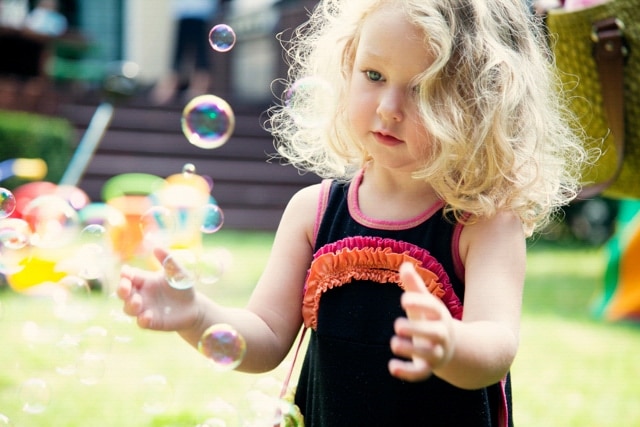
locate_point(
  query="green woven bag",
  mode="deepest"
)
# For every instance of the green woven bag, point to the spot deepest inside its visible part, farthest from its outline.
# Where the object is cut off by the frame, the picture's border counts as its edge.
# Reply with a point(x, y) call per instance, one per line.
point(571, 34)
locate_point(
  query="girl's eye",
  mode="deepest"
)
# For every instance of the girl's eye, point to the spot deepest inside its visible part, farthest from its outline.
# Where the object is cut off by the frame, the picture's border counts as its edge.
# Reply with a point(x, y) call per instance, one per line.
point(374, 76)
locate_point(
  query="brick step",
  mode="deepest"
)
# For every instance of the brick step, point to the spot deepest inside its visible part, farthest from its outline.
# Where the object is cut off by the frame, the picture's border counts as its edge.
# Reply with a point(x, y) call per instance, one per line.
point(251, 190)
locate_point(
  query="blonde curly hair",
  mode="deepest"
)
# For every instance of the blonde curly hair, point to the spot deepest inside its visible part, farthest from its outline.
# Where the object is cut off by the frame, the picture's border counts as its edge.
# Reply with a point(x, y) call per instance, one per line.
point(502, 137)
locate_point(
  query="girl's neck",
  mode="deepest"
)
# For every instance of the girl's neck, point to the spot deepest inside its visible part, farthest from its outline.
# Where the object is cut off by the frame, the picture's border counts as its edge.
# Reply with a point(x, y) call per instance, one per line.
point(393, 195)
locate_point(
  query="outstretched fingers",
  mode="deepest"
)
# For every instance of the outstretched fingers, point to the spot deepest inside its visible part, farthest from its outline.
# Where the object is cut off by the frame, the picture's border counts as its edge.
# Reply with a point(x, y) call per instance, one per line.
point(423, 339)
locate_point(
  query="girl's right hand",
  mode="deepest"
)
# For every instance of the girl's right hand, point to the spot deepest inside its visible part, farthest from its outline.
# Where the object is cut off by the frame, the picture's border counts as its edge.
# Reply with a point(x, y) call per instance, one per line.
point(156, 305)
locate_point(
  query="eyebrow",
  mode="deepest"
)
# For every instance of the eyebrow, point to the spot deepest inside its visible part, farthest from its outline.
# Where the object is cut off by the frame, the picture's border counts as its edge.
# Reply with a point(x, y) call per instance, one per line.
point(370, 55)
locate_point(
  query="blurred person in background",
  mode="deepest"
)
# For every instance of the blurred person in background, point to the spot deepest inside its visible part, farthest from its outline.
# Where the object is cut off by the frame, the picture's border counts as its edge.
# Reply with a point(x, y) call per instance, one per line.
point(190, 60)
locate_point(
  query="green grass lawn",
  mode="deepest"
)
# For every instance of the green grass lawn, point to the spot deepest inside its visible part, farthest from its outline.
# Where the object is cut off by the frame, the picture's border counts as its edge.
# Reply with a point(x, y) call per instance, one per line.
point(572, 369)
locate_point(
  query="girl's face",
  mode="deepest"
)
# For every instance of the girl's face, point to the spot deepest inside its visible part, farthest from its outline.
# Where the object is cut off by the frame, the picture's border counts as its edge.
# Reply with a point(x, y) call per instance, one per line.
point(382, 99)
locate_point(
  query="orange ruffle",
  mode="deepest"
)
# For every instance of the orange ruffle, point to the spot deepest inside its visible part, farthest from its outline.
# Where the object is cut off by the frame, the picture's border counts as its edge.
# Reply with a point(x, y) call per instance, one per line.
point(378, 264)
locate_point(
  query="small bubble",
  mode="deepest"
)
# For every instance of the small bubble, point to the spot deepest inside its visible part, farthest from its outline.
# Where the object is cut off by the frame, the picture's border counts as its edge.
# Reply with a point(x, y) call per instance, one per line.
point(96, 340)
point(222, 38)
point(93, 233)
point(66, 351)
point(7, 203)
point(212, 218)
point(90, 368)
point(188, 169)
point(212, 265)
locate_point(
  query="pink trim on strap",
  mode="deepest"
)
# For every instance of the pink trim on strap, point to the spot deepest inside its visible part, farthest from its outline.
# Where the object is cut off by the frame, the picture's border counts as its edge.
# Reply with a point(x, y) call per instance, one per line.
point(458, 266)
point(361, 218)
point(323, 199)
point(503, 415)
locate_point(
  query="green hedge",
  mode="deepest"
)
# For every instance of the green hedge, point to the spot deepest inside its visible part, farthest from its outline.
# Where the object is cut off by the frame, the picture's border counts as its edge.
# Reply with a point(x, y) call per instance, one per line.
point(27, 135)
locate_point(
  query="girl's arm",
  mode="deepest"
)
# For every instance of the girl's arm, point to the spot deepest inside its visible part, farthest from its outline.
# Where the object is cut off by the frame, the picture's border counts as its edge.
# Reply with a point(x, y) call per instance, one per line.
point(272, 318)
point(479, 350)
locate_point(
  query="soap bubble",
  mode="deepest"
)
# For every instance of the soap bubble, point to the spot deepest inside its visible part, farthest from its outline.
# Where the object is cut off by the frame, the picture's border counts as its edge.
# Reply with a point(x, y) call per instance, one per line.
point(208, 121)
point(265, 406)
point(90, 368)
point(121, 326)
point(157, 225)
point(309, 101)
point(212, 265)
point(157, 394)
point(74, 287)
point(53, 221)
point(188, 170)
point(91, 257)
point(76, 197)
point(66, 352)
point(222, 38)
point(15, 249)
point(223, 345)
point(70, 300)
point(212, 218)
point(96, 340)
point(93, 234)
point(180, 269)
point(224, 414)
point(7, 203)
point(5, 421)
point(35, 395)
point(269, 410)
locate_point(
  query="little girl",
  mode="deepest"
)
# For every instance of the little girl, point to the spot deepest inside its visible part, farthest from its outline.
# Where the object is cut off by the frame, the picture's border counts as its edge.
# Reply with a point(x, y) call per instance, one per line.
point(441, 129)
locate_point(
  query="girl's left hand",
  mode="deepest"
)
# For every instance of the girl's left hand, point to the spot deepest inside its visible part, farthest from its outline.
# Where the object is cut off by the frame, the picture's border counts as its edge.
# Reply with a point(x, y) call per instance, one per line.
point(426, 336)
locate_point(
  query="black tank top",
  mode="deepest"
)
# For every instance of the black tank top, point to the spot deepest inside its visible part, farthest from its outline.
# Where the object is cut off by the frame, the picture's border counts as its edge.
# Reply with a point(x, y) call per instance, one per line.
point(352, 298)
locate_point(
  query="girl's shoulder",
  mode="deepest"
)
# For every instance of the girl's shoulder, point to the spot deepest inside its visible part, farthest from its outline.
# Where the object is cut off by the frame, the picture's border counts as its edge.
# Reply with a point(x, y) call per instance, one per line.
point(308, 196)
point(304, 204)
point(505, 228)
point(308, 206)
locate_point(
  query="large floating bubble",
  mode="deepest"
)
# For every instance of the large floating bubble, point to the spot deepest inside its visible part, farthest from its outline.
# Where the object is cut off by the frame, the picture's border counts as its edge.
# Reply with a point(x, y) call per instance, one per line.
point(223, 345)
point(222, 38)
point(53, 220)
point(157, 393)
point(208, 121)
point(309, 100)
point(35, 395)
point(157, 225)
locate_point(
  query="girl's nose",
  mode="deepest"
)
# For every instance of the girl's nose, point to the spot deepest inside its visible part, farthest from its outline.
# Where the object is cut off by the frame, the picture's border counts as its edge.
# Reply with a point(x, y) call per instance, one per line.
point(390, 105)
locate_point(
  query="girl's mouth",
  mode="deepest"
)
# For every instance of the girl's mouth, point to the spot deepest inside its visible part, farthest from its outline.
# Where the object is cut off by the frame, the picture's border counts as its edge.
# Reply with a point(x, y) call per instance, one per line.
point(386, 139)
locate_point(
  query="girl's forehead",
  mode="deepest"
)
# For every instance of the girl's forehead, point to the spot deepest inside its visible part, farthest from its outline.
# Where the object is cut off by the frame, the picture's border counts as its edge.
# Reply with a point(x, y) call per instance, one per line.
point(390, 27)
